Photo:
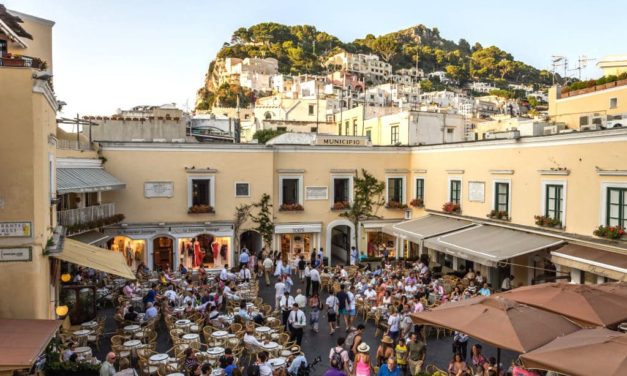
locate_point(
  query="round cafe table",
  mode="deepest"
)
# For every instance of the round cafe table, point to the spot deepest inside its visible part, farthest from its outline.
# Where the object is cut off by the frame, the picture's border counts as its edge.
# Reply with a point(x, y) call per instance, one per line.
point(83, 352)
point(175, 374)
point(159, 359)
point(82, 333)
point(277, 363)
point(191, 337)
point(89, 325)
point(219, 334)
point(270, 346)
point(132, 328)
point(132, 343)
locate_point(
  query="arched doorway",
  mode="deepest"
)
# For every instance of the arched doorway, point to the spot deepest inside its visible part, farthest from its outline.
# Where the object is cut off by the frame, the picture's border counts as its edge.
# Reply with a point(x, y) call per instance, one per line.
point(340, 236)
point(252, 240)
point(162, 252)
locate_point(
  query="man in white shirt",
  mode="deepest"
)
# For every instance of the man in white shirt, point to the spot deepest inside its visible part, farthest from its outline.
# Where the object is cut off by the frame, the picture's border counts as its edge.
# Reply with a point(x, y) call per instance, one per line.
point(297, 322)
point(411, 288)
point(224, 274)
point(244, 273)
point(343, 273)
point(333, 305)
point(267, 269)
point(507, 283)
point(370, 294)
point(171, 295)
point(300, 299)
point(352, 306)
point(315, 281)
point(250, 339)
point(354, 256)
point(286, 304)
point(243, 312)
point(189, 298)
point(279, 288)
point(308, 280)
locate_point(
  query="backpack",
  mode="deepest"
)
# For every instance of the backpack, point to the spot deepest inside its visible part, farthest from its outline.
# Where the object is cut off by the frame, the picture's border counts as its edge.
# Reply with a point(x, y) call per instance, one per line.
point(253, 370)
point(337, 357)
point(350, 339)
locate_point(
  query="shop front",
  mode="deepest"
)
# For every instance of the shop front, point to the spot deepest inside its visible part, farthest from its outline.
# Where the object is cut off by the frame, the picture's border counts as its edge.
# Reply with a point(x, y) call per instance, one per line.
point(293, 240)
point(375, 243)
point(133, 250)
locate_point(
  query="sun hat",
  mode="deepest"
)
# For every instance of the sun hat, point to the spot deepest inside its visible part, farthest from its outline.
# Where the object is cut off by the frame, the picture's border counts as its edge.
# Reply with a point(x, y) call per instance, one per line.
point(387, 339)
point(363, 347)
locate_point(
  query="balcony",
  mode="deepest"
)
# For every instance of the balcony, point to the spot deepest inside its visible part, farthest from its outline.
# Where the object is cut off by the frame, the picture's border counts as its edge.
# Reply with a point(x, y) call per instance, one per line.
point(90, 214)
point(21, 61)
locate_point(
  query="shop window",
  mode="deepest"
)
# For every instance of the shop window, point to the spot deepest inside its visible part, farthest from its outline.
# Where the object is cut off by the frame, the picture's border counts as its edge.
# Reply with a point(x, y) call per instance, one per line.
point(455, 193)
point(380, 243)
point(501, 197)
point(242, 190)
point(341, 190)
point(554, 204)
point(395, 190)
point(290, 190)
point(616, 209)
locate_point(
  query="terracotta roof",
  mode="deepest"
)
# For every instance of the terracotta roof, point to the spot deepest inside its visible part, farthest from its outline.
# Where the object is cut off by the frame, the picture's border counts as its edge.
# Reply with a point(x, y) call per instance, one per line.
point(13, 22)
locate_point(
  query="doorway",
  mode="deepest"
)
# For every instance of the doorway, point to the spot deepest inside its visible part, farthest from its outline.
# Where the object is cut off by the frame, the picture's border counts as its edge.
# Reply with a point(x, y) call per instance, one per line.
point(251, 240)
point(162, 253)
point(340, 245)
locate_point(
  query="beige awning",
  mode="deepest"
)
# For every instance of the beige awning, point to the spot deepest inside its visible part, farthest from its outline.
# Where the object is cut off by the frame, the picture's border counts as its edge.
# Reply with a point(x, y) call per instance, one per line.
point(489, 244)
point(22, 341)
point(96, 258)
point(593, 260)
point(425, 227)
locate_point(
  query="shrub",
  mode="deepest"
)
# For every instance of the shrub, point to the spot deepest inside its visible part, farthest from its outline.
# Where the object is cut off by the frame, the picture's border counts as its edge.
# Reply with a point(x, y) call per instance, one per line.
point(451, 207)
point(395, 205)
point(544, 221)
point(499, 214)
point(201, 209)
point(417, 203)
point(610, 232)
point(341, 205)
point(291, 207)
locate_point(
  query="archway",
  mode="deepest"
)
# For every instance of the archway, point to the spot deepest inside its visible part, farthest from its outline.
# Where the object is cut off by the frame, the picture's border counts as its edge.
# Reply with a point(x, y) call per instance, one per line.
point(162, 252)
point(340, 237)
point(252, 240)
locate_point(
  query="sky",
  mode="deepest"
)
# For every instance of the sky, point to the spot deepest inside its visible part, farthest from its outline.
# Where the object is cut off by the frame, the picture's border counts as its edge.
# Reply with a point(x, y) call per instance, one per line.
point(122, 53)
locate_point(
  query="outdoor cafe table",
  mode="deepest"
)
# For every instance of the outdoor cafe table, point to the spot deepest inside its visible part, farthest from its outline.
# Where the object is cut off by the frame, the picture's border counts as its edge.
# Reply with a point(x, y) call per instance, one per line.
point(277, 363)
point(89, 325)
point(83, 352)
point(183, 324)
point(159, 359)
point(175, 374)
point(132, 328)
point(215, 351)
point(137, 302)
point(263, 331)
point(191, 337)
point(82, 333)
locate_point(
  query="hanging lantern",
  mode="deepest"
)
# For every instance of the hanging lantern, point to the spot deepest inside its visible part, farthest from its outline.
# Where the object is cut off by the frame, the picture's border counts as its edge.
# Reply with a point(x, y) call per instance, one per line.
point(61, 311)
point(66, 277)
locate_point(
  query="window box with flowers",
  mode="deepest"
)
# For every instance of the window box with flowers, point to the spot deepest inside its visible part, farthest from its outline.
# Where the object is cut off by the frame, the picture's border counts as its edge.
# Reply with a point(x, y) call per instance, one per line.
point(544, 221)
point(341, 205)
point(610, 232)
point(451, 208)
point(201, 209)
point(291, 207)
point(499, 214)
point(395, 205)
point(417, 203)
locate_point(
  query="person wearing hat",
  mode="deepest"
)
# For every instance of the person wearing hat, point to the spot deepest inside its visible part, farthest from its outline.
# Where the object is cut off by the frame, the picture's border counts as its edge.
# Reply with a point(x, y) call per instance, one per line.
point(385, 350)
point(362, 360)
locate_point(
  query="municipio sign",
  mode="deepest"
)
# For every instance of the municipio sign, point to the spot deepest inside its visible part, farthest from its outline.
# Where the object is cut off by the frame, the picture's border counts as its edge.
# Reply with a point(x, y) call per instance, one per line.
point(329, 140)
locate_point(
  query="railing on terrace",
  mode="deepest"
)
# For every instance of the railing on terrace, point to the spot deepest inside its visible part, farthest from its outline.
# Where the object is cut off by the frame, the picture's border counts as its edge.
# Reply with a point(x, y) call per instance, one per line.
point(73, 145)
point(22, 62)
point(85, 215)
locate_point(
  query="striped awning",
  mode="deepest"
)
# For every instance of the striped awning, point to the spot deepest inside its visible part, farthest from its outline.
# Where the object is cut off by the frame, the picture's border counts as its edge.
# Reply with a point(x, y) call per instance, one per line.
point(81, 180)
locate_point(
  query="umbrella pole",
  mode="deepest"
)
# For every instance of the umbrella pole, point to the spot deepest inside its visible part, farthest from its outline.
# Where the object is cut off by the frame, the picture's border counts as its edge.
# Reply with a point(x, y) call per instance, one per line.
point(498, 360)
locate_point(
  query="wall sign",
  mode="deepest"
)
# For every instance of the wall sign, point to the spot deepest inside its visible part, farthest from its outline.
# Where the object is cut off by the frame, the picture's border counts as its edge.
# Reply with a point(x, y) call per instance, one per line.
point(154, 189)
point(16, 254)
point(15, 229)
point(316, 193)
point(341, 140)
point(476, 191)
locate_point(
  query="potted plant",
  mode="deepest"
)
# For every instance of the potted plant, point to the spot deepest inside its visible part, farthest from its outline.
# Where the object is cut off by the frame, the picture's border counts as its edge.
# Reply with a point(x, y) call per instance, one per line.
point(291, 207)
point(395, 205)
point(498, 214)
point(341, 205)
point(201, 209)
point(610, 232)
point(544, 221)
point(451, 208)
point(417, 203)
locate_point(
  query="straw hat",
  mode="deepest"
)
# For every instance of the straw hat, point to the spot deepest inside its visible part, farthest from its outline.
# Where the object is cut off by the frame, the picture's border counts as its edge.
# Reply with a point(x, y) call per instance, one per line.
point(363, 347)
point(387, 339)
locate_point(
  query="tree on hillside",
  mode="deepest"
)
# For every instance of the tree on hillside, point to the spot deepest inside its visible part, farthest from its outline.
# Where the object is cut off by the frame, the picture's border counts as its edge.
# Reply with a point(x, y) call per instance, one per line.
point(368, 197)
point(227, 94)
point(386, 46)
point(264, 220)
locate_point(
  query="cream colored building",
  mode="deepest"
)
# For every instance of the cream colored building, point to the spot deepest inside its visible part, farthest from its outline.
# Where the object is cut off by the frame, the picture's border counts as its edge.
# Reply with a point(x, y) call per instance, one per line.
point(369, 66)
point(505, 123)
point(253, 73)
point(613, 64)
point(589, 108)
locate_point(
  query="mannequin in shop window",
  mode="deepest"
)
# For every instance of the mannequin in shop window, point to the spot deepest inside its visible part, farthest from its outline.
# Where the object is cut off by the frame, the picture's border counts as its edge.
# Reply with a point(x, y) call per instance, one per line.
point(223, 251)
point(215, 249)
point(198, 253)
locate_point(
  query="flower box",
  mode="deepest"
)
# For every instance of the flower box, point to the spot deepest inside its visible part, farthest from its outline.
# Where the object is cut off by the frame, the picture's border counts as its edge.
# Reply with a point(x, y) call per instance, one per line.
point(417, 203)
point(609, 232)
point(451, 208)
point(544, 221)
point(291, 207)
point(394, 205)
point(201, 209)
point(499, 214)
point(341, 205)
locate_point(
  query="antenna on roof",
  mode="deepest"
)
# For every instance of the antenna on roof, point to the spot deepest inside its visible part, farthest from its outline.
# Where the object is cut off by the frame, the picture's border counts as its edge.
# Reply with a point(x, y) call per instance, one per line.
point(582, 63)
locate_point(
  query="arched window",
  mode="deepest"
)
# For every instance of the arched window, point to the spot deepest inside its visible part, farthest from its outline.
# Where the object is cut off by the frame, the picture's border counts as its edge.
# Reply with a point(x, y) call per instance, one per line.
point(268, 115)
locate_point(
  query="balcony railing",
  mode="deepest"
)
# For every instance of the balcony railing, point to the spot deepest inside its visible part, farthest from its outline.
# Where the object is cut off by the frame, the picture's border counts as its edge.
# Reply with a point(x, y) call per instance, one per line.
point(73, 145)
point(85, 215)
point(22, 62)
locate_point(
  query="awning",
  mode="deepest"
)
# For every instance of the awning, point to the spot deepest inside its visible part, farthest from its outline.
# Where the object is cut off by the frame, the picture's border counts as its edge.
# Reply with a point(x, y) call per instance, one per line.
point(91, 237)
point(593, 260)
point(83, 179)
point(96, 258)
point(489, 244)
point(428, 226)
point(23, 341)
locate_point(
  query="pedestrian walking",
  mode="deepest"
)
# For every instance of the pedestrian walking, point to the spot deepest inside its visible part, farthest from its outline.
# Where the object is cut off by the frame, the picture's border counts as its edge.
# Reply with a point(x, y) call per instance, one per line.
point(315, 280)
point(315, 306)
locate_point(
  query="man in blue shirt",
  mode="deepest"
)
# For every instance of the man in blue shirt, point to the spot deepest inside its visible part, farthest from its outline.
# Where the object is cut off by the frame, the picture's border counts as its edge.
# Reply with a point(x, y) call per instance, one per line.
point(389, 369)
point(243, 258)
point(152, 295)
point(296, 363)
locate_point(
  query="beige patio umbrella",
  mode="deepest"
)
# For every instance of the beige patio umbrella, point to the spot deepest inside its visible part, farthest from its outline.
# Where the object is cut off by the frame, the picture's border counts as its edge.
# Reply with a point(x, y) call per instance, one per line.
point(500, 322)
point(599, 305)
point(586, 352)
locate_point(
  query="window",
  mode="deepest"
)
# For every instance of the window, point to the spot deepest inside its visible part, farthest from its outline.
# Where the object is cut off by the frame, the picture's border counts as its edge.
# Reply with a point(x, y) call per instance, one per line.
point(281, 129)
point(501, 197)
point(200, 191)
point(420, 188)
point(3, 47)
point(311, 109)
point(267, 115)
point(290, 190)
point(347, 125)
point(554, 205)
point(616, 211)
point(354, 127)
point(394, 135)
point(341, 189)
point(455, 194)
point(242, 189)
point(583, 120)
point(339, 129)
point(369, 134)
point(613, 102)
point(313, 129)
point(395, 190)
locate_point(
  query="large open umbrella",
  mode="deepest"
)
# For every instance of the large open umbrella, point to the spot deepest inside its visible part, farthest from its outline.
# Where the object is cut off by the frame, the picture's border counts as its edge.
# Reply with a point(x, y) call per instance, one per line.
point(500, 322)
point(599, 305)
point(586, 352)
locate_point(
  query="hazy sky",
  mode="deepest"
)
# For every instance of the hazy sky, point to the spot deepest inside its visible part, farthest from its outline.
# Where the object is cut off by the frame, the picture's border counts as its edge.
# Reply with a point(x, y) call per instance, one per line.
point(120, 53)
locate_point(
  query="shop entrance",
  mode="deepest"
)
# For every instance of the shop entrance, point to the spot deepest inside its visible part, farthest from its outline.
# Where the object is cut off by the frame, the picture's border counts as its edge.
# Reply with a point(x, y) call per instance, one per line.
point(133, 250)
point(340, 245)
point(295, 245)
point(251, 240)
point(163, 250)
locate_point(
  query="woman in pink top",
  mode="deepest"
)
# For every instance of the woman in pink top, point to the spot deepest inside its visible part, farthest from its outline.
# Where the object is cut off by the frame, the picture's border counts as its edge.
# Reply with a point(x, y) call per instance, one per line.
point(362, 360)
